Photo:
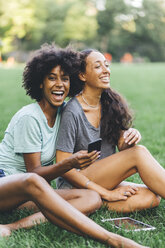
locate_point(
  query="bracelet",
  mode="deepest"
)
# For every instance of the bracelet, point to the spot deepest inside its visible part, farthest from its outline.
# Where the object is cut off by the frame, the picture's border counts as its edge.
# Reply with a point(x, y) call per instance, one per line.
point(86, 185)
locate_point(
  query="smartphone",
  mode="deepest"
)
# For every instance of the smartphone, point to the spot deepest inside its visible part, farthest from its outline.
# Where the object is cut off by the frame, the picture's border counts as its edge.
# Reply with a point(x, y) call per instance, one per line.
point(95, 145)
point(129, 224)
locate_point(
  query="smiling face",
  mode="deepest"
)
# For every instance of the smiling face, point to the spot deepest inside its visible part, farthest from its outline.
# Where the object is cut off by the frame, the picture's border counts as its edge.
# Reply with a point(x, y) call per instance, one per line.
point(97, 74)
point(55, 87)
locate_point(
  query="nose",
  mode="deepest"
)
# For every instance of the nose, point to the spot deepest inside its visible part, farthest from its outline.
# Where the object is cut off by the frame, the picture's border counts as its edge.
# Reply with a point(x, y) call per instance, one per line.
point(59, 83)
point(106, 69)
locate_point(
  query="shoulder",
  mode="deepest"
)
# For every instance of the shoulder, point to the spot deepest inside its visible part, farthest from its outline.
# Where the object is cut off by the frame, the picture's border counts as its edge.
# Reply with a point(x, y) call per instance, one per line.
point(71, 112)
point(29, 113)
point(72, 106)
point(32, 109)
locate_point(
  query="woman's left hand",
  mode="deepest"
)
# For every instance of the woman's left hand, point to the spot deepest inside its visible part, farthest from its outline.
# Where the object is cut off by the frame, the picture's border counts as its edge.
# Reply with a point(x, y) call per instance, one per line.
point(120, 193)
point(132, 136)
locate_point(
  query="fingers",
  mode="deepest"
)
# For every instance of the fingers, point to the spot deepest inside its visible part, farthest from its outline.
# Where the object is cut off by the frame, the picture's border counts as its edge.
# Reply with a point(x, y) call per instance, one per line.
point(84, 158)
point(132, 136)
point(89, 157)
point(138, 138)
point(129, 191)
point(94, 156)
point(121, 193)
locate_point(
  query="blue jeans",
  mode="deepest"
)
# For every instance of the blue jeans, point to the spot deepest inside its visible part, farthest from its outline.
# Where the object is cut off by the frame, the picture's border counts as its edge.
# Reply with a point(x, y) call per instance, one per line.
point(2, 173)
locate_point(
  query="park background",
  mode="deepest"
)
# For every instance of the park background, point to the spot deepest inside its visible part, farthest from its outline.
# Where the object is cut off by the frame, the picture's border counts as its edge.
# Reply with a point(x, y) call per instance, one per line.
point(116, 27)
point(131, 33)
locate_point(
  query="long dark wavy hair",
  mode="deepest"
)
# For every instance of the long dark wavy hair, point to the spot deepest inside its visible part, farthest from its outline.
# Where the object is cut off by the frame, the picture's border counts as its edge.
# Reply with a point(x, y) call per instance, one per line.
point(116, 115)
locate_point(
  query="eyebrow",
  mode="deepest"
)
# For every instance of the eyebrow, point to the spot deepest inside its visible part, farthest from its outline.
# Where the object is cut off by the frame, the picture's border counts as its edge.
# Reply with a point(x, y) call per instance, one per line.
point(54, 74)
point(98, 61)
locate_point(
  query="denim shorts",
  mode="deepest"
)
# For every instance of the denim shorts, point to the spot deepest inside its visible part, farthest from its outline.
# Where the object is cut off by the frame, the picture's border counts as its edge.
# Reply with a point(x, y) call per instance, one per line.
point(2, 173)
point(62, 183)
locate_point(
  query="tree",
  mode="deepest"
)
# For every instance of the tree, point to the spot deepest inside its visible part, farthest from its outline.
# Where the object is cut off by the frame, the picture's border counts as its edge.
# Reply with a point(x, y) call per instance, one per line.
point(150, 35)
point(127, 28)
point(107, 22)
point(34, 22)
point(17, 20)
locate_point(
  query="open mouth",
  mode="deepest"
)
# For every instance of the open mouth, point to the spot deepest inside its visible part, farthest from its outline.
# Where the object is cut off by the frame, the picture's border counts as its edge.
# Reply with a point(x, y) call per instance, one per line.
point(58, 95)
point(106, 78)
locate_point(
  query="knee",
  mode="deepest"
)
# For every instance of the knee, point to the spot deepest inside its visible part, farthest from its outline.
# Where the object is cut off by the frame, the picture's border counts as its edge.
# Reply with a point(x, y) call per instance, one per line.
point(94, 199)
point(33, 183)
point(139, 151)
point(155, 200)
point(150, 199)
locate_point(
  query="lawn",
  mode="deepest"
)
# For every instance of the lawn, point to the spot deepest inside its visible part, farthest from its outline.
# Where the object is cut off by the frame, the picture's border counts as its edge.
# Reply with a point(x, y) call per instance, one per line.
point(143, 86)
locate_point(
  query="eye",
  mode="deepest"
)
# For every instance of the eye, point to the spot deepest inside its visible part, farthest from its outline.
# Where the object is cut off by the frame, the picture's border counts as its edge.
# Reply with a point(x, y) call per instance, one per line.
point(51, 78)
point(65, 79)
point(97, 66)
point(106, 64)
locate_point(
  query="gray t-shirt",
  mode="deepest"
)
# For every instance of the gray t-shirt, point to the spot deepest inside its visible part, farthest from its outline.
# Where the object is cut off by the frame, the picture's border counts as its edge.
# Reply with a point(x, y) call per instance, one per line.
point(76, 132)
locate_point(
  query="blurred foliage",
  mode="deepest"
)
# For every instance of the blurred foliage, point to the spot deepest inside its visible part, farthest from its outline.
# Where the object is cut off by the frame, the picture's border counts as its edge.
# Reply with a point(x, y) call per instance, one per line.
point(138, 30)
point(117, 27)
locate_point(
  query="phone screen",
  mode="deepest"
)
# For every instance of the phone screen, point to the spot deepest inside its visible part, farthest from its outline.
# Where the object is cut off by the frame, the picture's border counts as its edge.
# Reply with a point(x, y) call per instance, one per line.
point(129, 224)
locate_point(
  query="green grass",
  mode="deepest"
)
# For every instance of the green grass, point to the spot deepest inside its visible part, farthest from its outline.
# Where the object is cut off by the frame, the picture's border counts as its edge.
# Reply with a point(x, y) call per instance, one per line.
point(143, 86)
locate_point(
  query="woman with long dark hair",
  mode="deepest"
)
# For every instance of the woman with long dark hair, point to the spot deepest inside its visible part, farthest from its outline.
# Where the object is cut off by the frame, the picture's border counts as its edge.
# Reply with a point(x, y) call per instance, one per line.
point(97, 111)
point(29, 146)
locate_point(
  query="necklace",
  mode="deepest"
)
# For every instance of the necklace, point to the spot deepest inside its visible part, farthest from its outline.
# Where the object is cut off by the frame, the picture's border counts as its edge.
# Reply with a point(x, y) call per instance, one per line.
point(91, 106)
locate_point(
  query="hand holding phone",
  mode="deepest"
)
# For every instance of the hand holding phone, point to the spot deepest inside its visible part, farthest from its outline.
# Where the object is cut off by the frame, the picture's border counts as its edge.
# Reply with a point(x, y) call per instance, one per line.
point(95, 145)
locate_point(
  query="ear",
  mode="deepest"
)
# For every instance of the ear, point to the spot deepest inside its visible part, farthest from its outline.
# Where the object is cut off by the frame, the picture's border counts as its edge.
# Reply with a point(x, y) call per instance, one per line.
point(82, 77)
point(41, 86)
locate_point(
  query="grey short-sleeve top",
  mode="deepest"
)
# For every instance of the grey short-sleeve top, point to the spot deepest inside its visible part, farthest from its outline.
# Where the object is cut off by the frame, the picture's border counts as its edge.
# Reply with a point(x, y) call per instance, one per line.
point(76, 133)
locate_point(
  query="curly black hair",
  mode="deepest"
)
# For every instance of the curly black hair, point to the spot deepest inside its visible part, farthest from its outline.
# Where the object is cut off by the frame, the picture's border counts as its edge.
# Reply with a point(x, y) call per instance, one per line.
point(116, 115)
point(42, 62)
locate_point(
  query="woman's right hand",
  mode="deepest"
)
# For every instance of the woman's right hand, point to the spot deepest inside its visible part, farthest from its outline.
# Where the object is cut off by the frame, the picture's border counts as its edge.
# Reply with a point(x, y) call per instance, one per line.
point(120, 193)
point(83, 159)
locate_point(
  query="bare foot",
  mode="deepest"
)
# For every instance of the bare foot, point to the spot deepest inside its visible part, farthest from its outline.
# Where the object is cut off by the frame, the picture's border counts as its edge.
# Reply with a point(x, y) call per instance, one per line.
point(4, 231)
point(121, 242)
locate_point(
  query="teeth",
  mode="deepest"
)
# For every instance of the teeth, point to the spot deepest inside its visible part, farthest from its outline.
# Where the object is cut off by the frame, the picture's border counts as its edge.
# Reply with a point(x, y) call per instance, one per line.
point(58, 92)
point(105, 78)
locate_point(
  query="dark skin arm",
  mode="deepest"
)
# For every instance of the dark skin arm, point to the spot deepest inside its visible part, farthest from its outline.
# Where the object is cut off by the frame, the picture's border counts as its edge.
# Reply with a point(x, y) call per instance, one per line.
point(128, 138)
point(77, 160)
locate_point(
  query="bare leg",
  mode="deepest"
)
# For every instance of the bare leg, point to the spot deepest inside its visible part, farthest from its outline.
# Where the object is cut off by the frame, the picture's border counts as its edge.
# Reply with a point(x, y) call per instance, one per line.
point(111, 171)
point(143, 199)
point(86, 201)
point(33, 187)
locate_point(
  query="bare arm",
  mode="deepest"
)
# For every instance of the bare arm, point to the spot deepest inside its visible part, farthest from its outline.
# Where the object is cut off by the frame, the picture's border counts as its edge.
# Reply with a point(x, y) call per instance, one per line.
point(77, 160)
point(128, 138)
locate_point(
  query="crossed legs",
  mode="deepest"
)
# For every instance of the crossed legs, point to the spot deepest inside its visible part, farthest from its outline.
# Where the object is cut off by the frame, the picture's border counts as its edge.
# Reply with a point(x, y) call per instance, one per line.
point(143, 199)
point(86, 201)
point(111, 171)
point(17, 189)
